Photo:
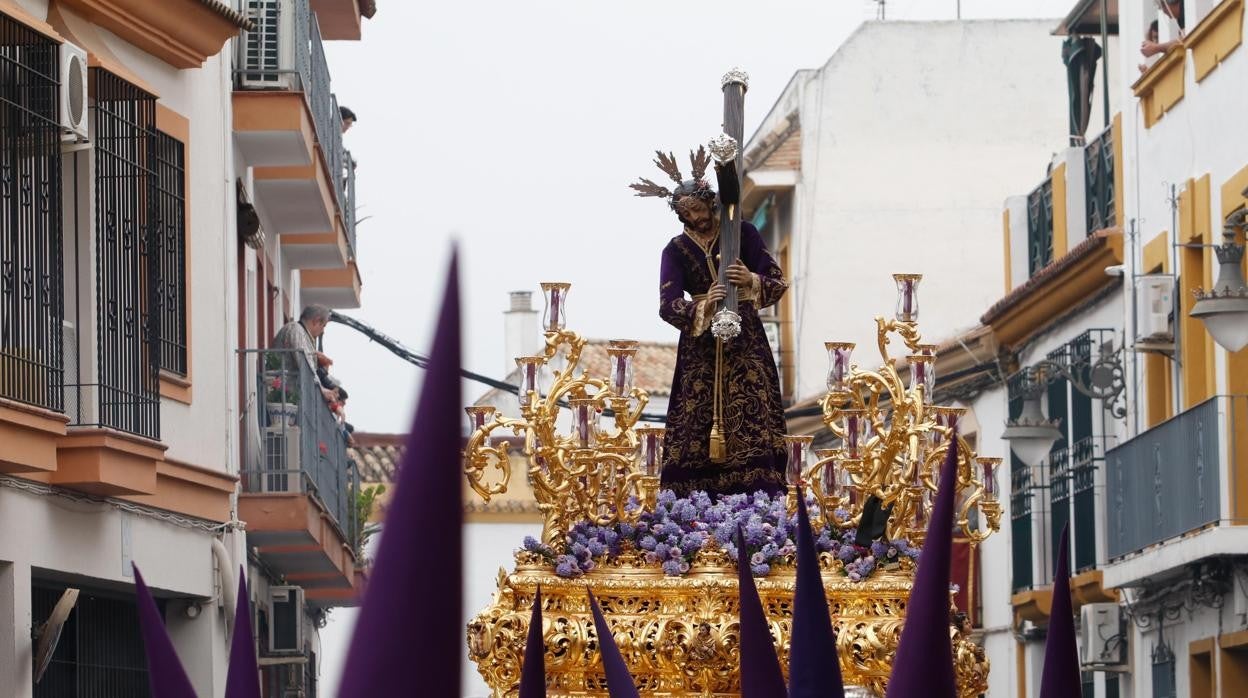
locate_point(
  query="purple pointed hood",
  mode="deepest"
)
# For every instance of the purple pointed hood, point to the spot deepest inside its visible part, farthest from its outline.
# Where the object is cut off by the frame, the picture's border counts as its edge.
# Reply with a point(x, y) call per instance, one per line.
point(923, 665)
point(619, 682)
point(761, 676)
point(533, 673)
point(410, 623)
point(814, 667)
point(243, 678)
point(165, 674)
point(1061, 677)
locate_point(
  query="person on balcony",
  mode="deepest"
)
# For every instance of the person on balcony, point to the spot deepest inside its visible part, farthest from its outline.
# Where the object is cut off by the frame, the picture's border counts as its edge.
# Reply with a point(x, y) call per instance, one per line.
point(301, 335)
point(348, 118)
point(1152, 46)
point(750, 457)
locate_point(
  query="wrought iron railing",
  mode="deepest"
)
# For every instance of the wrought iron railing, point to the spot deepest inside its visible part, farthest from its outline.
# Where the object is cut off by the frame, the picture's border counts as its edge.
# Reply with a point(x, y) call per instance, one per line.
point(31, 237)
point(169, 236)
point(348, 208)
point(1083, 474)
point(1020, 525)
point(1168, 480)
point(1059, 504)
point(1102, 198)
point(1040, 227)
point(125, 392)
point(293, 443)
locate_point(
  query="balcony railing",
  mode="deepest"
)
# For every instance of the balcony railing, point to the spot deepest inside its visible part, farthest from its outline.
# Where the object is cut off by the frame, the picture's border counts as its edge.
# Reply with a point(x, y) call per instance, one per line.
point(1020, 524)
point(31, 239)
point(286, 52)
point(1168, 480)
point(1040, 227)
point(293, 443)
point(1099, 165)
point(1083, 473)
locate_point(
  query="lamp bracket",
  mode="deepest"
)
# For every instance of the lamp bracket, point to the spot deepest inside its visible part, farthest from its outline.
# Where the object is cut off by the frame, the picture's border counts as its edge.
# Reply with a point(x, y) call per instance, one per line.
point(1099, 375)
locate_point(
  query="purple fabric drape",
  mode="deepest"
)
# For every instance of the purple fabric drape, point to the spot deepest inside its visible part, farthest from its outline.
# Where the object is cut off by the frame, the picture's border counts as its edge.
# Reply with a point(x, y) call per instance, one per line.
point(1061, 676)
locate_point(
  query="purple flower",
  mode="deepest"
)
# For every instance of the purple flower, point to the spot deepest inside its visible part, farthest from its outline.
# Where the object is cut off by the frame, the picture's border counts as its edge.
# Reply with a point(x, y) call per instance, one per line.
point(648, 543)
point(596, 548)
point(758, 559)
point(760, 570)
point(671, 568)
point(878, 548)
point(566, 566)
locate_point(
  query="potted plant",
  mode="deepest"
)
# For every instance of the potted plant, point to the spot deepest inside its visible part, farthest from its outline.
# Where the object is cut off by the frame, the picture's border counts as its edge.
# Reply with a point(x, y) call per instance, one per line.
point(282, 399)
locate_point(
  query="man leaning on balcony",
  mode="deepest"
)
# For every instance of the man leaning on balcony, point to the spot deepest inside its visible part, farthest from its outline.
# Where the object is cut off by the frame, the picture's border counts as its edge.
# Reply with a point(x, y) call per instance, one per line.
point(301, 335)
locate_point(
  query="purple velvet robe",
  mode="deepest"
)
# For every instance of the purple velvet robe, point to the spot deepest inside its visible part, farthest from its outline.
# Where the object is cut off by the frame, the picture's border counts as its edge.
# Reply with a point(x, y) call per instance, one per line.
point(753, 419)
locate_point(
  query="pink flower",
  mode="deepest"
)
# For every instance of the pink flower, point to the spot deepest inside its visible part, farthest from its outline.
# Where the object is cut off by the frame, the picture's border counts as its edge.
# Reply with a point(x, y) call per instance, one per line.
point(323, 448)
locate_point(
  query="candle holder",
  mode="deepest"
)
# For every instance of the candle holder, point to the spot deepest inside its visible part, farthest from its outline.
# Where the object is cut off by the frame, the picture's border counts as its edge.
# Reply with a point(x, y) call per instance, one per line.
point(554, 317)
point(839, 354)
point(621, 354)
point(907, 297)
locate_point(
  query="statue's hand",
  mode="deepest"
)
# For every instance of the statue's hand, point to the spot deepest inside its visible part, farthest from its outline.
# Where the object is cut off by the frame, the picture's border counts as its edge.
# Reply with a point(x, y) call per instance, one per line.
point(739, 275)
point(716, 294)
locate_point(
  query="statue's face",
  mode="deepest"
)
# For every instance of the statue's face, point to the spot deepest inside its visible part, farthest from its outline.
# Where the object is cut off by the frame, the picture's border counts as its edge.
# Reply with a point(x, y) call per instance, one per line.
point(696, 214)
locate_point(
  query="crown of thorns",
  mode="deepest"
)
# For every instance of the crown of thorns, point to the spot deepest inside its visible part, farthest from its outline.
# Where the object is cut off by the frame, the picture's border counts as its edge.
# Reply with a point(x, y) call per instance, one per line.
point(698, 187)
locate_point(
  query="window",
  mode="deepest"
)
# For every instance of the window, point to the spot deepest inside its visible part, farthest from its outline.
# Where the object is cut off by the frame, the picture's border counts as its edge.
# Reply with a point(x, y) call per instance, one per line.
point(169, 235)
point(1164, 684)
point(100, 652)
point(127, 387)
point(31, 242)
point(1040, 227)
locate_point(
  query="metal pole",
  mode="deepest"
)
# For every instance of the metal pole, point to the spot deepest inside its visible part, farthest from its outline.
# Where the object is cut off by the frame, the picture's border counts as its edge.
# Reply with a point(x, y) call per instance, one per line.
point(1104, 57)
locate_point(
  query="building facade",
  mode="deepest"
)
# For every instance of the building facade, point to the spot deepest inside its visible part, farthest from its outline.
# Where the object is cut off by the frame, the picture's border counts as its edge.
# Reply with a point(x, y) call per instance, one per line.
point(1133, 407)
point(160, 164)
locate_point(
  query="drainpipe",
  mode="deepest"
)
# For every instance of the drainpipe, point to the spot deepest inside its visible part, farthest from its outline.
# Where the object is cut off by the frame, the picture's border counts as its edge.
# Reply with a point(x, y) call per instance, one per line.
point(228, 595)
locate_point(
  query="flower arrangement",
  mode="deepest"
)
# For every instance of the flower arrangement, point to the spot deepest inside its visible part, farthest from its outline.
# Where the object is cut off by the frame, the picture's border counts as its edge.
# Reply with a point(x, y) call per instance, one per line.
point(281, 388)
point(678, 528)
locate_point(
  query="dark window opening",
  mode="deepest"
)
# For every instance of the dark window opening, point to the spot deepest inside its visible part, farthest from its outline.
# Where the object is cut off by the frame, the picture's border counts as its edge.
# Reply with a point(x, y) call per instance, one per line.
point(100, 652)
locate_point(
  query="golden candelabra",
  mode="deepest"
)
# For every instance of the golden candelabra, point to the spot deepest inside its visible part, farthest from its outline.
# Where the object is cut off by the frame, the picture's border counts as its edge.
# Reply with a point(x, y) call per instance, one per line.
point(678, 634)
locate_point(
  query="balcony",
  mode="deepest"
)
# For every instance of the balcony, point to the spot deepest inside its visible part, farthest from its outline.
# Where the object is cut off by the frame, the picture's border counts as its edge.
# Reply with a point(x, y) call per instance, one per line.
point(1100, 180)
point(1040, 227)
point(298, 484)
point(288, 128)
point(1173, 492)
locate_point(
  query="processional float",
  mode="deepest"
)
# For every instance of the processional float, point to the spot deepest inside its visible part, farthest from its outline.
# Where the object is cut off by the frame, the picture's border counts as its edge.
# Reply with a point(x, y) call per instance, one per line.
point(598, 481)
point(663, 568)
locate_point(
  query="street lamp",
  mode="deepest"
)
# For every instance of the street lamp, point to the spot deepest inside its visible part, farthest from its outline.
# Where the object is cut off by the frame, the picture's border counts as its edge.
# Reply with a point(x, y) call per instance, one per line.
point(1224, 308)
point(1031, 436)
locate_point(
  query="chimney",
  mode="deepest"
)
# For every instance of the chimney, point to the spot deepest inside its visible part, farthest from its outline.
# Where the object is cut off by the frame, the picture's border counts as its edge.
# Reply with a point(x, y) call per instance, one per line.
point(521, 334)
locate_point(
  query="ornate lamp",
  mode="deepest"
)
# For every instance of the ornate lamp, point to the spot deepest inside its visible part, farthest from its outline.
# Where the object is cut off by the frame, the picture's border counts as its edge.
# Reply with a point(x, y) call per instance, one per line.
point(1031, 435)
point(1224, 308)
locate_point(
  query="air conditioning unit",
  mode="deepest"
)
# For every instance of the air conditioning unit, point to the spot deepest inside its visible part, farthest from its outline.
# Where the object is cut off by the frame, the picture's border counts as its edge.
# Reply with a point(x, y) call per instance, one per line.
point(73, 116)
point(1102, 637)
point(281, 459)
point(285, 620)
point(266, 54)
point(1154, 296)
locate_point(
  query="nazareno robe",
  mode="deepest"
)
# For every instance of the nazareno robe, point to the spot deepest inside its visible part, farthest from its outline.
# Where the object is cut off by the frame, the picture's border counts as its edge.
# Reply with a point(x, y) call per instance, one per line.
point(752, 416)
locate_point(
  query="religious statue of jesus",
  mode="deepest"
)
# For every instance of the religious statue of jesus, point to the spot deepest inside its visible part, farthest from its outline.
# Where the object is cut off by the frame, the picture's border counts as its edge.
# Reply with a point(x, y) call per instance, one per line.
point(735, 378)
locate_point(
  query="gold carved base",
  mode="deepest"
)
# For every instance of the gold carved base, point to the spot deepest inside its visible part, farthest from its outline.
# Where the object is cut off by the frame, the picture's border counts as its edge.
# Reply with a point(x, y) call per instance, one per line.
point(679, 635)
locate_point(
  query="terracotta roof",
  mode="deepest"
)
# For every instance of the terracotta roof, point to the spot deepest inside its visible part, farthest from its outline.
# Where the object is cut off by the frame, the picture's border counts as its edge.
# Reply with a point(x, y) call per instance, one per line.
point(1055, 268)
point(652, 367)
point(377, 455)
point(229, 13)
point(779, 150)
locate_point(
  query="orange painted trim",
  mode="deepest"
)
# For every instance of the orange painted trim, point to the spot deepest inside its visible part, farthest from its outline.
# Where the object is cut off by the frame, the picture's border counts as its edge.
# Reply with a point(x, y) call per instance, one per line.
point(1061, 233)
point(107, 463)
point(347, 277)
point(1088, 587)
point(191, 490)
point(338, 19)
point(1239, 638)
point(1216, 37)
point(1233, 192)
point(1005, 226)
point(28, 437)
point(1156, 254)
point(256, 110)
point(177, 126)
point(1020, 668)
point(1161, 88)
point(1033, 605)
point(84, 34)
point(1119, 188)
point(182, 33)
point(1034, 311)
point(18, 13)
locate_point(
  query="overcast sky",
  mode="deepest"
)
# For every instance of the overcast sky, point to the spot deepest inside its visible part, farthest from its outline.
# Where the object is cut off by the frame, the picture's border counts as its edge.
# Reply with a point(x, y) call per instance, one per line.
point(515, 129)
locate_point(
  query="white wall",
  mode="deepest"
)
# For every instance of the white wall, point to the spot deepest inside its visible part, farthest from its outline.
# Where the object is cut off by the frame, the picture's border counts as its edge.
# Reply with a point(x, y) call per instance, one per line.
point(913, 135)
